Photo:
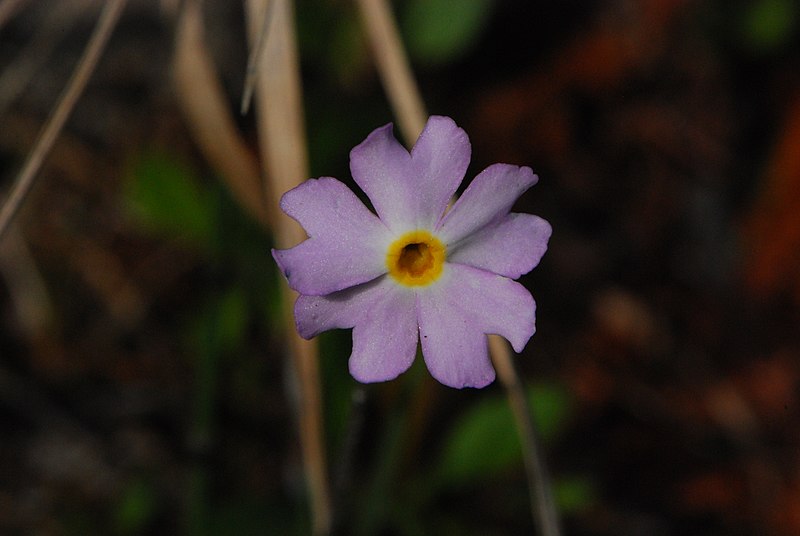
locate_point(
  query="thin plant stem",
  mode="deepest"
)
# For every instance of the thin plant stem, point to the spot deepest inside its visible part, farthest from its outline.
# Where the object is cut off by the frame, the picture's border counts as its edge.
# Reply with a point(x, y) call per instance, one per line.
point(54, 27)
point(8, 8)
point(202, 100)
point(343, 477)
point(404, 96)
point(254, 58)
point(27, 175)
point(542, 504)
point(283, 147)
point(25, 284)
point(393, 67)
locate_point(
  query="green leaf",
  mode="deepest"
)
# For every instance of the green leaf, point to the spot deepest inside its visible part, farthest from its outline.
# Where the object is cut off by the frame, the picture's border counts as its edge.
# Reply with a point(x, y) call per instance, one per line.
point(218, 327)
point(136, 508)
point(768, 24)
point(232, 315)
point(484, 441)
point(551, 405)
point(166, 196)
point(573, 494)
point(437, 31)
point(247, 515)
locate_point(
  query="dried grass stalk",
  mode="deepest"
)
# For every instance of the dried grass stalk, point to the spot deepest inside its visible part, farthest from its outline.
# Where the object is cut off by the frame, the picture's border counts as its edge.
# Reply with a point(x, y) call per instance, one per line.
point(203, 102)
point(283, 147)
point(66, 103)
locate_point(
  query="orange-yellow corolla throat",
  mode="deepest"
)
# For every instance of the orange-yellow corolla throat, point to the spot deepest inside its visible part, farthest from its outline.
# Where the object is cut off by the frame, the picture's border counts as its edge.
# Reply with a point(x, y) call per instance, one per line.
point(416, 258)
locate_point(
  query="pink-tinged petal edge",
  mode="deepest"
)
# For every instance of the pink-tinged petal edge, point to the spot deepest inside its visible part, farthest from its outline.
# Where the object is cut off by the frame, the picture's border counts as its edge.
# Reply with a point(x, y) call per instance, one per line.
point(347, 244)
point(510, 247)
point(488, 198)
point(456, 314)
point(393, 178)
point(384, 322)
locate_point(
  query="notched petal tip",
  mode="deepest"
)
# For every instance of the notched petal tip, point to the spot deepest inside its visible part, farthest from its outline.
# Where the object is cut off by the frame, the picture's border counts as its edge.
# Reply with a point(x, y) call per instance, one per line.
point(481, 382)
point(295, 203)
point(444, 124)
point(477, 382)
point(384, 134)
point(481, 375)
point(362, 377)
point(289, 199)
point(521, 177)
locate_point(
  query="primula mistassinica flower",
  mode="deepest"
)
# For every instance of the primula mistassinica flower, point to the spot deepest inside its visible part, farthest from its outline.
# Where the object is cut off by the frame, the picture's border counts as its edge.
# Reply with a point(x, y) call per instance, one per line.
point(416, 272)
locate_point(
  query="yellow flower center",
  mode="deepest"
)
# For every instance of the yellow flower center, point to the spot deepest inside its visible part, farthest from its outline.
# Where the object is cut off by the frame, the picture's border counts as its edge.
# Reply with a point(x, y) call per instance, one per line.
point(416, 258)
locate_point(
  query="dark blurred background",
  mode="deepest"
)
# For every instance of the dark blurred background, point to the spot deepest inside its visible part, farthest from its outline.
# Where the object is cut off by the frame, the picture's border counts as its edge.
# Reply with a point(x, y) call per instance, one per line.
point(143, 387)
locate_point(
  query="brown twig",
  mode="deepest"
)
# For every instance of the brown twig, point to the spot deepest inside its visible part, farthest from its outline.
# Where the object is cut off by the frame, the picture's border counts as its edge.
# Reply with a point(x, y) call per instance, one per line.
point(45, 39)
point(25, 284)
point(405, 98)
point(9, 8)
point(542, 504)
point(393, 66)
point(254, 58)
point(283, 146)
point(27, 175)
point(203, 102)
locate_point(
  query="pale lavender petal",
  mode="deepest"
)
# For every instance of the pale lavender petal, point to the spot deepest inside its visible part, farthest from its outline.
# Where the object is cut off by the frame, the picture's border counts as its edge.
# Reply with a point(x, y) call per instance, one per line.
point(440, 157)
point(488, 198)
point(411, 191)
point(347, 244)
point(385, 340)
point(458, 311)
point(337, 310)
point(384, 319)
point(510, 247)
point(381, 166)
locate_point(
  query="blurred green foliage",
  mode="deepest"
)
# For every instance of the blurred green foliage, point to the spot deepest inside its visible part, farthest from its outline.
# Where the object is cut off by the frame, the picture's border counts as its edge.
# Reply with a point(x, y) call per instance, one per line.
point(484, 442)
point(574, 493)
point(239, 292)
point(166, 197)
point(438, 31)
point(768, 24)
point(136, 507)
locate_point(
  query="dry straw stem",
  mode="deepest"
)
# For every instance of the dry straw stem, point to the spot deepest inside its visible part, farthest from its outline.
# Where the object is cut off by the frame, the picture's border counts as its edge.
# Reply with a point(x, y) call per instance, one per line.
point(8, 8)
point(393, 66)
point(26, 286)
point(283, 147)
point(27, 175)
point(542, 505)
point(203, 103)
point(405, 98)
point(43, 41)
point(254, 58)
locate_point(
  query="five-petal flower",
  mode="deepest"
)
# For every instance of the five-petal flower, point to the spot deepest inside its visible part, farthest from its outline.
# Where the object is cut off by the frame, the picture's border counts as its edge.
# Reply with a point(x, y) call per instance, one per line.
point(416, 272)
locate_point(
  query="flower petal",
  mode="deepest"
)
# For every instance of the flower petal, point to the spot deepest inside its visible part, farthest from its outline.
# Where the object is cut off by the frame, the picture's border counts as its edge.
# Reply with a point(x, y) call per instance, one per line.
point(384, 319)
point(395, 180)
point(440, 156)
point(381, 166)
point(347, 244)
point(511, 247)
point(456, 314)
point(337, 310)
point(489, 197)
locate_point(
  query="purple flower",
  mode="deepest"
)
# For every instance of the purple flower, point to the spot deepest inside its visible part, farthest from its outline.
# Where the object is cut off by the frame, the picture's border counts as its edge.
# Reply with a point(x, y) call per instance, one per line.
point(416, 272)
